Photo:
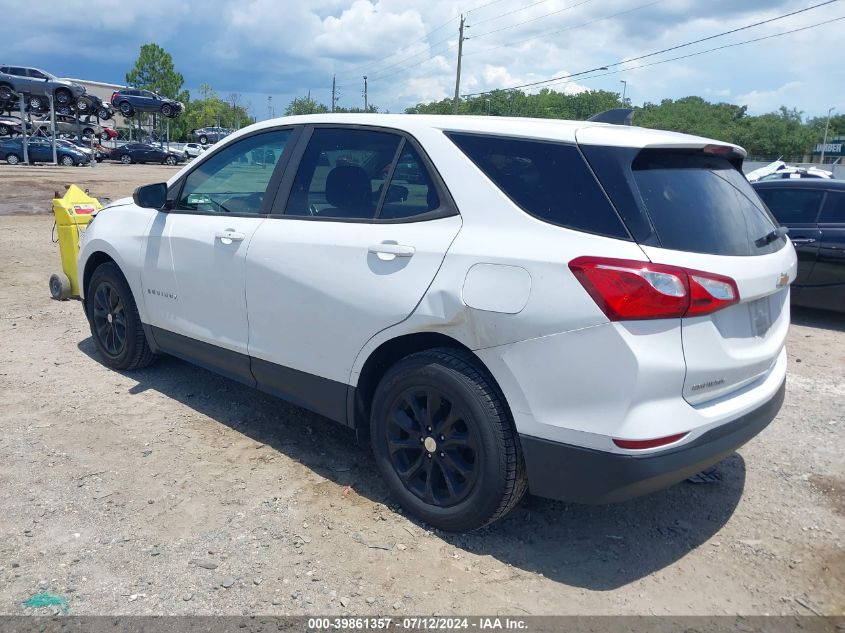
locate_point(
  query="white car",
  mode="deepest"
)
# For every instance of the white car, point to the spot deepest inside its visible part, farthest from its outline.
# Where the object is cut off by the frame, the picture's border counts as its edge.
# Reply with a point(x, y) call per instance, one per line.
point(779, 169)
point(192, 150)
point(589, 311)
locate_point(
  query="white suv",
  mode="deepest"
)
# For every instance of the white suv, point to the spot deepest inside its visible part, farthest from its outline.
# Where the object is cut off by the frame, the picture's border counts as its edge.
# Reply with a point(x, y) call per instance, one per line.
point(585, 310)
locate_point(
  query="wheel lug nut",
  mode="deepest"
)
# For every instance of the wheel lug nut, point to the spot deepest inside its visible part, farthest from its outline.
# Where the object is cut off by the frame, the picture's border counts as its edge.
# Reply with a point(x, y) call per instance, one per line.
point(442, 439)
point(422, 440)
point(429, 455)
point(429, 429)
point(442, 454)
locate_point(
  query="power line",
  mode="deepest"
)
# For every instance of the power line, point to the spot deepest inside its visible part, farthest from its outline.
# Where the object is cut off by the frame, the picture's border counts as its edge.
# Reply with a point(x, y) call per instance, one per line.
point(567, 28)
point(665, 50)
point(502, 15)
point(710, 50)
point(406, 46)
point(539, 17)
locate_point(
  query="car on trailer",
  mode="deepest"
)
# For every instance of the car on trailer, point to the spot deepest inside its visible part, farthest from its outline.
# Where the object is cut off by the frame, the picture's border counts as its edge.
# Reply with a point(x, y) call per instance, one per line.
point(206, 135)
point(38, 84)
point(131, 100)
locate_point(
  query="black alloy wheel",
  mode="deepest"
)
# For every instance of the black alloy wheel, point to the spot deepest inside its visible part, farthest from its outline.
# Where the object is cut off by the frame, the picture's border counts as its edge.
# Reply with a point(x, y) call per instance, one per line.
point(109, 318)
point(444, 441)
point(432, 448)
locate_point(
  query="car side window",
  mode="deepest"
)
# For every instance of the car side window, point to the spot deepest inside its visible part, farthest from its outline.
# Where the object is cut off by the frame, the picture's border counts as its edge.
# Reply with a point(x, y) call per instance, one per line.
point(411, 191)
point(833, 211)
point(235, 179)
point(793, 206)
point(36, 74)
point(342, 174)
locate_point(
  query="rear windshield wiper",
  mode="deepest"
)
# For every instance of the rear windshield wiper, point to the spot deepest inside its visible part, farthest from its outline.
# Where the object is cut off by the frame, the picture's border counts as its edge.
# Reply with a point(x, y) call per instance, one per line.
point(770, 237)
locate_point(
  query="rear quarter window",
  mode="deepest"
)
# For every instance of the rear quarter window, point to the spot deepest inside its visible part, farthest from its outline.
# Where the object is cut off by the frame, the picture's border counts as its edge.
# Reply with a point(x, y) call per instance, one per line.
point(550, 181)
point(793, 206)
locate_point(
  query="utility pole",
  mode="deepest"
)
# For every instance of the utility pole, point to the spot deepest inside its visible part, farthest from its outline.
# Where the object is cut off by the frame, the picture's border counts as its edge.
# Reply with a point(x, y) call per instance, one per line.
point(824, 142)
point(461, 38)
point(365, 93)
point(269, 107)
point(624, 90)
point(334, 99)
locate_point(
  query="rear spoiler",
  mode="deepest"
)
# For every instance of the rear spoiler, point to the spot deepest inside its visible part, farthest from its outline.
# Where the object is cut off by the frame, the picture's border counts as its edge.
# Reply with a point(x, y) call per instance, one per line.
point(616, 116)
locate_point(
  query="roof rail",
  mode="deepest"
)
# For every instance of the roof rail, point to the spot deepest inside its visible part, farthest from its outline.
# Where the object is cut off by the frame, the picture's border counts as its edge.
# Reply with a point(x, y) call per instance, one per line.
point(616, 116)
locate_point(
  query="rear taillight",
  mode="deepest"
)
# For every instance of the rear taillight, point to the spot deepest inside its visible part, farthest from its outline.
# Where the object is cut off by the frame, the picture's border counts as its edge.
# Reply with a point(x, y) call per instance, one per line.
point(627, 290)
point(113, 96)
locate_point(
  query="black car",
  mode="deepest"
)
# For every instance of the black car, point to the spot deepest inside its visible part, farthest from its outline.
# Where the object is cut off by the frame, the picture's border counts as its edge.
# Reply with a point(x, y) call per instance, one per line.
point(813, 209)
point(91, 104)
point(130, 100)
point(145, 153)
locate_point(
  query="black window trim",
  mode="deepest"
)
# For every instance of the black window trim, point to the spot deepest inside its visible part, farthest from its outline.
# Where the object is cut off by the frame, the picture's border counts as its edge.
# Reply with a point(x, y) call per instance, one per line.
point(279, 171)
point(447, 207)
point(511, 137)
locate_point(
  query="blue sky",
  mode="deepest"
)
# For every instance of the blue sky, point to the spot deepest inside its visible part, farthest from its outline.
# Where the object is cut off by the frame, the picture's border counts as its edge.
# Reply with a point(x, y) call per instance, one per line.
point(407, 48)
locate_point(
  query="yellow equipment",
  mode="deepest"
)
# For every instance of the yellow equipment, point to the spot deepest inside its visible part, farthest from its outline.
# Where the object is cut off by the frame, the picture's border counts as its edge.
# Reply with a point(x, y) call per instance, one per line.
point(73, 212)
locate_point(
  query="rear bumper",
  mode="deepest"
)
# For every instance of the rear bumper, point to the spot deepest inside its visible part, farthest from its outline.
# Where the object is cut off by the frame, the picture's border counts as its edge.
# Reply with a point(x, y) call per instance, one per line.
point(584, 475)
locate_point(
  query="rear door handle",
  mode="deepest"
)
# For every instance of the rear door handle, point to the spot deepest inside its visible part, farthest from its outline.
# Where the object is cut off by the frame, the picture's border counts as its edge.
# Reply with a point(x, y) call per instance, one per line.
point(798, 241)
point(229, 235)
point(388, 252)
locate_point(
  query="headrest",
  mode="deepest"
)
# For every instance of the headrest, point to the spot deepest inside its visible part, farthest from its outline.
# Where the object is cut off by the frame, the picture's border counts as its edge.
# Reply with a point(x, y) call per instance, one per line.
point(348, 187)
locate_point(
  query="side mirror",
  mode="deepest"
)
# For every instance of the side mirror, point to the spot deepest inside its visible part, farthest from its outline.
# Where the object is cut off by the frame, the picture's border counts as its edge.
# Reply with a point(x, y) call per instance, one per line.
point(151, 196)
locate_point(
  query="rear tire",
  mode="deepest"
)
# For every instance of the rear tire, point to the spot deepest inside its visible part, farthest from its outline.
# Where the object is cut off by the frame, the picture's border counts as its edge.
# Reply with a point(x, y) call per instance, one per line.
point(458, 467)
point(6, 93)
point(67, 161)
point(170, 160)
point(126, 159)
point(126, 108)
point(167, 110)
point(104, 113)
point(203, 140)
point(5, 130)
point(35, 103)
point(115, 323)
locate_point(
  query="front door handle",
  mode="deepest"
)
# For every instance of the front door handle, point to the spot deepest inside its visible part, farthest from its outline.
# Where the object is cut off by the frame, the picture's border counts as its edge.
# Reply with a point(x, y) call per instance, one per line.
point(800, 241)
point(229, 235)
point(388, 251)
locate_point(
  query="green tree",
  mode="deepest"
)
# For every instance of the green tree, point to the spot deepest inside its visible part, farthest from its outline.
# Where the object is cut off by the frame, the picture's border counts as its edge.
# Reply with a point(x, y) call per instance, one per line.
point(154, 70)
point(305, 105)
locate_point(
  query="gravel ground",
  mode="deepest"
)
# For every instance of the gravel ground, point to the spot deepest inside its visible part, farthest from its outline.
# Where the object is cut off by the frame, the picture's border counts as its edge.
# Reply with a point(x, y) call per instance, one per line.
point(173, 491)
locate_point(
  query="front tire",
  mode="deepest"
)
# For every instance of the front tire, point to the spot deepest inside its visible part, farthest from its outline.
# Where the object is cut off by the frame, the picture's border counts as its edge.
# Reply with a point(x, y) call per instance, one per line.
point(104, 113)
point(63, 96)
point(203, 140)
point(443, 440)
point(126, 108)
point(5, 130)
point(167, 110)
point(13, 159)
point(6, 92)
point(126, 159)
point(35, 103)
point(115, 323)
point(67, 161)
point(170, 160)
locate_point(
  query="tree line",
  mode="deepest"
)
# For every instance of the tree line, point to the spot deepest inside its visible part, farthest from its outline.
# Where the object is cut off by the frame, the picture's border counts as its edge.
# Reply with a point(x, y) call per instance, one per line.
point(784, 133)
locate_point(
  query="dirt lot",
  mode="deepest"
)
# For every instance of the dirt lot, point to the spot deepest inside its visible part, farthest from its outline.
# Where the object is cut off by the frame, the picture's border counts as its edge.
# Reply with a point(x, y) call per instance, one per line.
point(171, 490)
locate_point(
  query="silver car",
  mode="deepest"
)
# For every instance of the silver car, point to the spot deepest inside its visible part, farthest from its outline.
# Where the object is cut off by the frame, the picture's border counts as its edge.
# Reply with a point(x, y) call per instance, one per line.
point(37, 85)
point(69, 125)
point(206, 135)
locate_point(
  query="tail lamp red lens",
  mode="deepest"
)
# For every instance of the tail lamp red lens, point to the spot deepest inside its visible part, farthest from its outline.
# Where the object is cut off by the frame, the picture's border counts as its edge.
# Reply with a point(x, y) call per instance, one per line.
point(627, 290)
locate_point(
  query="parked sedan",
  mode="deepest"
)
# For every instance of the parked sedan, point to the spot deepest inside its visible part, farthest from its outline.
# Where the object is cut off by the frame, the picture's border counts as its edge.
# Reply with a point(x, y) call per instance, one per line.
point(145, 153)
point(206, 135)
point(40, 150)
point(130, 100)
point(814, 212)
point(38, 84)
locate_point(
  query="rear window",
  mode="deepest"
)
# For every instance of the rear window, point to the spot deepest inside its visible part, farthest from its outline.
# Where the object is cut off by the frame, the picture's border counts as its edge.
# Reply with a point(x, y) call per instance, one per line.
point(550, 181)
point(691, 201)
